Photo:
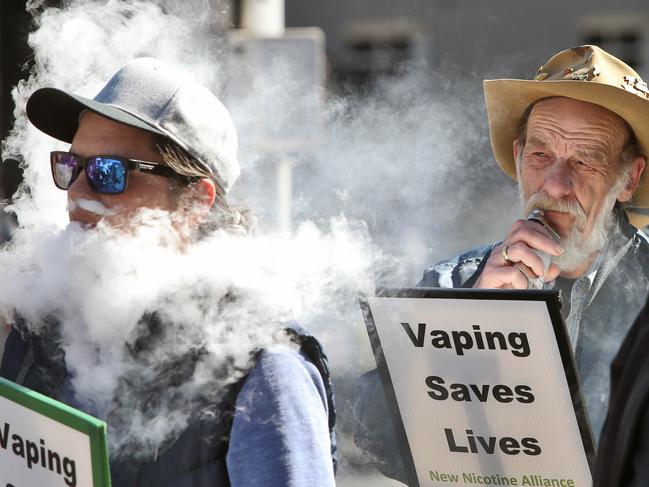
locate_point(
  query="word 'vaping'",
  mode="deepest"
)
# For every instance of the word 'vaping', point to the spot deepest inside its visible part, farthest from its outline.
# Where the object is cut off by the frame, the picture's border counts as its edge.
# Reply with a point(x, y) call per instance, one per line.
point(462, 341)
point(37, 455)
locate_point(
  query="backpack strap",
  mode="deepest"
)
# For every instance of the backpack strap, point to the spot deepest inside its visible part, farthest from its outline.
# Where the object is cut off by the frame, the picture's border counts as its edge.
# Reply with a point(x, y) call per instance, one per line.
point(312, 348)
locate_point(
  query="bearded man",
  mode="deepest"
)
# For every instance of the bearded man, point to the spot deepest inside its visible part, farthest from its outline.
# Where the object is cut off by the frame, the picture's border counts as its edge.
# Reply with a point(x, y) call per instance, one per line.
point(575, 137)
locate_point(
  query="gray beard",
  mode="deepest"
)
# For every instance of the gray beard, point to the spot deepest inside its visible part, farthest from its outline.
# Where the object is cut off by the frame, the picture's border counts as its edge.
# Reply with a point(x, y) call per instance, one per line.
point(578, 251)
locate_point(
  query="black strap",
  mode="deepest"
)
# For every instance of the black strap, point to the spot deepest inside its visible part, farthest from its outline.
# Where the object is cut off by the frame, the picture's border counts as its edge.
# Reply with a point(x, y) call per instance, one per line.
point(28, 362)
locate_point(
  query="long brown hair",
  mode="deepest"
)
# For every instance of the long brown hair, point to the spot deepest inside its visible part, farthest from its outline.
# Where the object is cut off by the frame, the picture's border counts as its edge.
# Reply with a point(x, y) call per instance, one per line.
point(238, 220)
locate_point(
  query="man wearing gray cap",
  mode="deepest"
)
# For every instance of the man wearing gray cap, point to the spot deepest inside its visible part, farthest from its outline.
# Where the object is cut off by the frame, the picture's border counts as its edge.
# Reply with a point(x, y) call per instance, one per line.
point(154, 139)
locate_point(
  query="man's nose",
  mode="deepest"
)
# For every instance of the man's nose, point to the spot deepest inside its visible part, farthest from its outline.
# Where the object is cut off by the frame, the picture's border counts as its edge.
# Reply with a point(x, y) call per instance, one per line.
point(80, 188)
point(558, 179)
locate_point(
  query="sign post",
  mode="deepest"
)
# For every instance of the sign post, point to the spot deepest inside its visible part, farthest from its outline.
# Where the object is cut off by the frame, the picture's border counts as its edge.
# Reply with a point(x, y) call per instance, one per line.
point(482, 387)
point(46, 443)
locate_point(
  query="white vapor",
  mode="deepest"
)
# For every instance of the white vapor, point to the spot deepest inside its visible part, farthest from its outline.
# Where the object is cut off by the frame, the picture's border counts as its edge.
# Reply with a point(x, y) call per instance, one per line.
point(391, 187)
point(90, 206)
point(224, 296)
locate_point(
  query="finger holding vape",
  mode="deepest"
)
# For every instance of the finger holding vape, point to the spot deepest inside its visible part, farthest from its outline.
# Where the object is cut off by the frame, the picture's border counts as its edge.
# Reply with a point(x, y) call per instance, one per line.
point(518, 260)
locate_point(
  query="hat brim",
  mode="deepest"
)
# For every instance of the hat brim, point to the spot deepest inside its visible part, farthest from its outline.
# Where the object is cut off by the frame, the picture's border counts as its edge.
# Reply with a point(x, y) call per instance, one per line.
point(56, 113)
point(507, 100)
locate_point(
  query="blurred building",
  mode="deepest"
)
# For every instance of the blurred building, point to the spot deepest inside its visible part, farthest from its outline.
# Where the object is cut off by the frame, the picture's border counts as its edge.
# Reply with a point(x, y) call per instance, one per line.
point(490, 39)
point(366, 41)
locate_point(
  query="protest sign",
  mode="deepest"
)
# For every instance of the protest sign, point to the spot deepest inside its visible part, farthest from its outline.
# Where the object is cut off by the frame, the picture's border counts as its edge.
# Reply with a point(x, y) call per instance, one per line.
point(482, 387)
point(46, 443)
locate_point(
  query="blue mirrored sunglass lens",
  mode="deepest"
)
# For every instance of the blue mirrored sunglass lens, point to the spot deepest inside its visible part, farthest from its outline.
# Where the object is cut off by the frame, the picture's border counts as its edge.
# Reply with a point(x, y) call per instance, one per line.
point(106, 175)
point(65, 170)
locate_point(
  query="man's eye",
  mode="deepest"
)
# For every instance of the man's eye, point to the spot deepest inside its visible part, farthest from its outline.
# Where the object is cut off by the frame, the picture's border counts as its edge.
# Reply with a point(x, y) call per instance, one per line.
point(583, 165)
point(540, 154)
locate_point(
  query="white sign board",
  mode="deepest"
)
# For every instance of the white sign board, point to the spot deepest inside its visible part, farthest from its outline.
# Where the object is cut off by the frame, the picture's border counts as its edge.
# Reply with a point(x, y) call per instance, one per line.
point(47, 444)
point(479, 385)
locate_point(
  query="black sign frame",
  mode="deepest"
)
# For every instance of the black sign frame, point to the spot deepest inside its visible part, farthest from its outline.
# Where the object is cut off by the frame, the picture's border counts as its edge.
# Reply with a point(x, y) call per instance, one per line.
point(551, 299)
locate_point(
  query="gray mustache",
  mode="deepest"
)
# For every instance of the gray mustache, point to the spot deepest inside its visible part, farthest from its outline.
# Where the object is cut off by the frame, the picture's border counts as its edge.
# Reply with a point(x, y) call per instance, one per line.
point(543, 201)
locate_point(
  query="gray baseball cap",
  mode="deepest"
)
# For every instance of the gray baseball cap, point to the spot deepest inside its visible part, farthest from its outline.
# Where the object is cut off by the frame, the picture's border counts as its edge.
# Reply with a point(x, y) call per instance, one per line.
point(149, 95)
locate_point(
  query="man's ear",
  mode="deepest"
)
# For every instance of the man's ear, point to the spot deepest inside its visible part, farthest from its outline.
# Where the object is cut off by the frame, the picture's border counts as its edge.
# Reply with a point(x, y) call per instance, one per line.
point(516, 147)
point(195, 202)
point(635, 172)
point(206, 191)
point(200, 194)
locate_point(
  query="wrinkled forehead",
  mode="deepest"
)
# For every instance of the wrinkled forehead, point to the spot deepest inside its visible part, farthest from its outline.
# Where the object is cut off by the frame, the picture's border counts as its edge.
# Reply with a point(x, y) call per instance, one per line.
point(560, 119)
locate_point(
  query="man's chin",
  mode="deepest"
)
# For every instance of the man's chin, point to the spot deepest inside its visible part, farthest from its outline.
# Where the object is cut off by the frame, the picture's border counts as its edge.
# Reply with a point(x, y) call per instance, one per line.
point(82, 225)
point(568, 267)
point(561, 222)
point(578, 254)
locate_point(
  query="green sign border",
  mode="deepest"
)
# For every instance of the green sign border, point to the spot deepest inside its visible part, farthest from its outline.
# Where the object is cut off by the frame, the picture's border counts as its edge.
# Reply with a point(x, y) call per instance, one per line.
point(73, 418)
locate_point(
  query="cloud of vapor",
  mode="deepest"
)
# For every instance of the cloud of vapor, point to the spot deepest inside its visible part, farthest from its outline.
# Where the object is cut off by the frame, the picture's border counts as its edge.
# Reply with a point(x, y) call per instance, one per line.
point(392, 185)
point(224, 296)
point(128, 326)
point(411, 158)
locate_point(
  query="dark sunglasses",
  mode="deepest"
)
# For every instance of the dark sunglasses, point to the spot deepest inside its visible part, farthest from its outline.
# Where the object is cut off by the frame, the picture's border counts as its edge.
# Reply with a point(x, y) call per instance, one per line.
point(105, 174)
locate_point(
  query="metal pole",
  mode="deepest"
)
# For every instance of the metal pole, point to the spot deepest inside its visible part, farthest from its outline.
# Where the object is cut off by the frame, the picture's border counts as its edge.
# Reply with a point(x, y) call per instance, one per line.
point(284, 195)
point(263, 18)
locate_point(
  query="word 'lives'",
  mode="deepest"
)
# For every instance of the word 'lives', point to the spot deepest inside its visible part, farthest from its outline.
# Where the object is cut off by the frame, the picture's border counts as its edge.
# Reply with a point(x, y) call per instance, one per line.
point(488, 444)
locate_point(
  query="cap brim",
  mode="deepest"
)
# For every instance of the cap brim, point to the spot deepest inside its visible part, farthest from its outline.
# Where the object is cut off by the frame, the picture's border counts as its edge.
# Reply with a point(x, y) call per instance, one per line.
point(507, 100)
point(56, 113)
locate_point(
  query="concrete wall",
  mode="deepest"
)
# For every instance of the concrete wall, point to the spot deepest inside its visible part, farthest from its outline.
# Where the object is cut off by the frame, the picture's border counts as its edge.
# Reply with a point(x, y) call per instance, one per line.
point(489, 38)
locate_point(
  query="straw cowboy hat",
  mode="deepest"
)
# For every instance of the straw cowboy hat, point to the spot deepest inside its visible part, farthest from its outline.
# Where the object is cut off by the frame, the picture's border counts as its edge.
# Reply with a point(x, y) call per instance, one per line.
point(585, 73)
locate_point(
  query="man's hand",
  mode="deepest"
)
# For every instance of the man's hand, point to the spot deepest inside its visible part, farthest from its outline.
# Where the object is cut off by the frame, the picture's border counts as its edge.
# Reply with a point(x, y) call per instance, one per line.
point(514, 261)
